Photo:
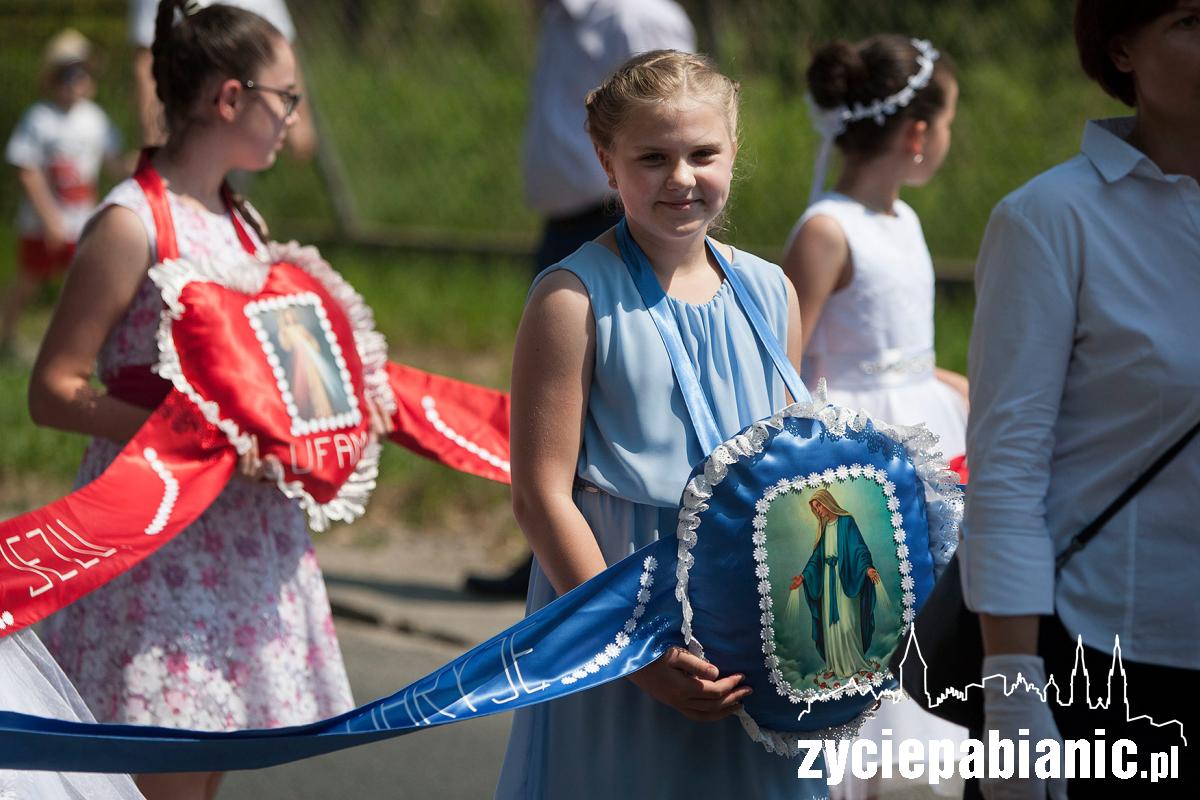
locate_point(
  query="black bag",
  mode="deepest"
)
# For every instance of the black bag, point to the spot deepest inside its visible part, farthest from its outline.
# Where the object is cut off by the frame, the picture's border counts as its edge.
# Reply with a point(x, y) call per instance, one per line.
point(948, 634)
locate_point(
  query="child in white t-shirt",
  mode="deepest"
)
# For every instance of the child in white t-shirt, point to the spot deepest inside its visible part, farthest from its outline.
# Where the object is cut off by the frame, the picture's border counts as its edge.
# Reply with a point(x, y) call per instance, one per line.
point(58, 149)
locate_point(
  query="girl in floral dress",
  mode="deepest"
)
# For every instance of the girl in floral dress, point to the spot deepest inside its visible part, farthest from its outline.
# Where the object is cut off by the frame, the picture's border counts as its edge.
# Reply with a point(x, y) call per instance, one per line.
point(227, 625)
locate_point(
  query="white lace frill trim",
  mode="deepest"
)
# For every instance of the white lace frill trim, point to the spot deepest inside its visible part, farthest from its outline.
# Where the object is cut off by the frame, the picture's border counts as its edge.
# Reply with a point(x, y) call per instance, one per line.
point(944, 505)
point(784, 744)
point(248, 276)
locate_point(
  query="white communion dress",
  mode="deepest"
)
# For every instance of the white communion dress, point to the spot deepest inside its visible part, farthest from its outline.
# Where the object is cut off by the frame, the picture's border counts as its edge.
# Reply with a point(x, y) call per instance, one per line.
point(873, 343)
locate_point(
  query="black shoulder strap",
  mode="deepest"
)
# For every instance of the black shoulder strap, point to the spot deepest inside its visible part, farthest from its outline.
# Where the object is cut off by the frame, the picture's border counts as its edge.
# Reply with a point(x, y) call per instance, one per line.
point(1086, 535)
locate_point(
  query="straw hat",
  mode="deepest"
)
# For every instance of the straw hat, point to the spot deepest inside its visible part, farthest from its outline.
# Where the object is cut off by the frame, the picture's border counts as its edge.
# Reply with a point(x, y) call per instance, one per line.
point(68, 47)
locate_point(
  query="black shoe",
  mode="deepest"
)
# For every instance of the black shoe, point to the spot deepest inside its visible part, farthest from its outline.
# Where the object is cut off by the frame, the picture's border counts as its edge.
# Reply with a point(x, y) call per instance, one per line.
point(513, 585)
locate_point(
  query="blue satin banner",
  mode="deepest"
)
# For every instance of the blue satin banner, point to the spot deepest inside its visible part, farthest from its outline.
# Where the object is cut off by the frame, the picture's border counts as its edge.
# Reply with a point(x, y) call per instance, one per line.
point(609, 627)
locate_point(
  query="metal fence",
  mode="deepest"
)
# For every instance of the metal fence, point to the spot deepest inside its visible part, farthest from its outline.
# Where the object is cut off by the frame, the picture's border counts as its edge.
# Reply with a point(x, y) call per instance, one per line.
point(422, 105)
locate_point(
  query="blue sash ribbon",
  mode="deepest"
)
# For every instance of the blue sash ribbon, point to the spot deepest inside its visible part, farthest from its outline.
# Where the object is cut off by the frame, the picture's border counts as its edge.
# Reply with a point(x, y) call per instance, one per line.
point(611, 626)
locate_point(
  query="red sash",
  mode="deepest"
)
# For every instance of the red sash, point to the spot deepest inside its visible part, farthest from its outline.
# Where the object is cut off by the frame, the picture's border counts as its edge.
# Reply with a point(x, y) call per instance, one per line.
point(178, 462)
point(136, 383)
point(169, 472)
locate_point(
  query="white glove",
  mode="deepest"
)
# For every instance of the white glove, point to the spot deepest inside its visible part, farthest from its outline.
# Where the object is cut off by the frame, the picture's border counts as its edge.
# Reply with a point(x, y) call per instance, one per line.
point(1021, 709)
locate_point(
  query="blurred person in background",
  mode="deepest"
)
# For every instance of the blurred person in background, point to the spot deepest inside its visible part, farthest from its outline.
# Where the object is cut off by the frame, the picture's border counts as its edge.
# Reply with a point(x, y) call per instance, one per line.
point(858, 252)
point(302, 138)
point(1084, 371)
point(58, 149)
point(581, 43)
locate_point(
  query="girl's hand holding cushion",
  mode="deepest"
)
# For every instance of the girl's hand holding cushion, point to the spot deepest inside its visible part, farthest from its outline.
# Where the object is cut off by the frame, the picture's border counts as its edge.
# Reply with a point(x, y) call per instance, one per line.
point(692, 686)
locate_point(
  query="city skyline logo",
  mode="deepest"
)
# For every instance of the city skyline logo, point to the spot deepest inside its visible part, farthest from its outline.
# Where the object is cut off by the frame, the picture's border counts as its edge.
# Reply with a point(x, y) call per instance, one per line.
point(1079, 670)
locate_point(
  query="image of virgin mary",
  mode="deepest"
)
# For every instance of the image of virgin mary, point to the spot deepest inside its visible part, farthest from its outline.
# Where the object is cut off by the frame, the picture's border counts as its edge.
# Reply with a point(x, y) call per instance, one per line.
point(839, 584)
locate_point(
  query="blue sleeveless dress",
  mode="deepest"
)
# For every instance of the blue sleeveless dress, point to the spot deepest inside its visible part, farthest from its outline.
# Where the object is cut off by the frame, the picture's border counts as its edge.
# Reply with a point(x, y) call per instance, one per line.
point(638, 449)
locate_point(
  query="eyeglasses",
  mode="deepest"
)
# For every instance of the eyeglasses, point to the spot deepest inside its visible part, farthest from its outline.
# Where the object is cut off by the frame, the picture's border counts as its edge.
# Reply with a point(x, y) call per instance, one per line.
point(290, 99)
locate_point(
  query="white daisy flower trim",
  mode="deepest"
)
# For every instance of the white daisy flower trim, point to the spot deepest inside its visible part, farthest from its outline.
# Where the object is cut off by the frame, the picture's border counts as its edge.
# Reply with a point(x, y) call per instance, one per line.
point(622, 639)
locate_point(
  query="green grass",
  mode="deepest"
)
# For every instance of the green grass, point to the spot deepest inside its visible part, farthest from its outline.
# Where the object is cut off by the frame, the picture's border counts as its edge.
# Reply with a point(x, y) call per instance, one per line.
point(952, 314)
point(26, 450)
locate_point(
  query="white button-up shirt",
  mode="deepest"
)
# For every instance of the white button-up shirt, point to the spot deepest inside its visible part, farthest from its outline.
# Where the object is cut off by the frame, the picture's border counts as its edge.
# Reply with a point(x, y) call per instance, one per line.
point(582, 42)
point(1085, 367)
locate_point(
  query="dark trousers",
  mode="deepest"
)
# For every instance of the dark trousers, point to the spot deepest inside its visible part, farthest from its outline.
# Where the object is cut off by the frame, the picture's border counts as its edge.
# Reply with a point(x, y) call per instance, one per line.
point(1162, 693)
point(564, 235)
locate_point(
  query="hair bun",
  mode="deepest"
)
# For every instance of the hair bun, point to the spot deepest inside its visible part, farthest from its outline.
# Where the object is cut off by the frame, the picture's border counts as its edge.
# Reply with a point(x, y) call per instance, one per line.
point(848, 75)
point(836, 69)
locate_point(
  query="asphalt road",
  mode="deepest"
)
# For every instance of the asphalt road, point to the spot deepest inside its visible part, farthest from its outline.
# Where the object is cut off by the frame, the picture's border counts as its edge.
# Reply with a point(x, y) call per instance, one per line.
point(452, 762)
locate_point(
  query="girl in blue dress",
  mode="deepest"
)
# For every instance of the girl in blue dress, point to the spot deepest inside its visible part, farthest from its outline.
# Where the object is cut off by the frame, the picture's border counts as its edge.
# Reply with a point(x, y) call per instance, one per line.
point(602, 444)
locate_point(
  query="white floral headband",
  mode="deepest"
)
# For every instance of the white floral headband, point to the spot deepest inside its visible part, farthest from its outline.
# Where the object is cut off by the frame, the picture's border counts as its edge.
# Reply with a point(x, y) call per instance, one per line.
point(832, 122)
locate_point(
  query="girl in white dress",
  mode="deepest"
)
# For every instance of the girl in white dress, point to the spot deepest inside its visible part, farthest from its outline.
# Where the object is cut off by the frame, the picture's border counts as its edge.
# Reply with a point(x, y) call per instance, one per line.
point(857, 256)
point(862, 270)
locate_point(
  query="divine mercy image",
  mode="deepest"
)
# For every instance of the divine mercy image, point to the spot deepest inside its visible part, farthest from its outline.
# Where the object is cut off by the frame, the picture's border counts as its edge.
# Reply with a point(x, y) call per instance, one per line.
point(312, 375)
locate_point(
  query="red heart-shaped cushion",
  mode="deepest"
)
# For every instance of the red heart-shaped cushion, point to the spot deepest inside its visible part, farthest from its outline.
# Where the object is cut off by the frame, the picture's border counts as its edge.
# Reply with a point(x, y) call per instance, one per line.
point(282, 365)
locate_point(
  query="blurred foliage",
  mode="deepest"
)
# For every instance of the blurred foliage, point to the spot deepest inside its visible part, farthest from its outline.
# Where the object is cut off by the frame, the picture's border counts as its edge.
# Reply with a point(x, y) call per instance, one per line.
point(425, 102)
point(1023, 101)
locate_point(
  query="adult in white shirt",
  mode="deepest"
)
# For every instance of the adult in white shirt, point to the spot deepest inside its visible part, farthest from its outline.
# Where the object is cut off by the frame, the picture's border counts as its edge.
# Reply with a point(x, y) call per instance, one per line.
point(302, 137)
point(1084, 368)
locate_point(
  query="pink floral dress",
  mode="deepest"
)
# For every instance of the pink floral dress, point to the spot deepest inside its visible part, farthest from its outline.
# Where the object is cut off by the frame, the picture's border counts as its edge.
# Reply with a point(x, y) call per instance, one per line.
point(227, 625)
